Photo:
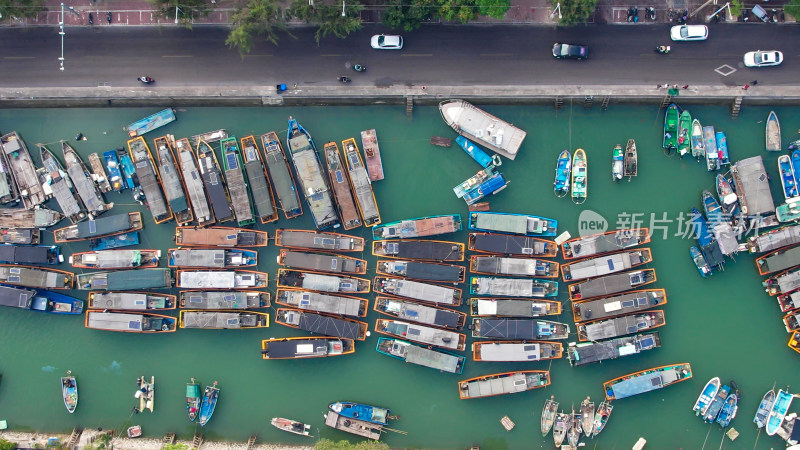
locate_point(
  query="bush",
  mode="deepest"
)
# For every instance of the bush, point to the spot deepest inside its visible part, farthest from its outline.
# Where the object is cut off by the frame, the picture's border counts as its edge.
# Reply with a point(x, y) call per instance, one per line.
point(7, 445)
point(327, 444)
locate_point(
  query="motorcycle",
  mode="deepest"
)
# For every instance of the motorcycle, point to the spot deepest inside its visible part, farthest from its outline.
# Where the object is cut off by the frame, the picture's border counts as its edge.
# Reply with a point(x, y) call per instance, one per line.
point(663, 49)
point(684, 17)
point(91, 19)
point(108, 17)
point(344, 79)
point(359, 68)
point(146, 80)
point(633, 14)
point(650, 14)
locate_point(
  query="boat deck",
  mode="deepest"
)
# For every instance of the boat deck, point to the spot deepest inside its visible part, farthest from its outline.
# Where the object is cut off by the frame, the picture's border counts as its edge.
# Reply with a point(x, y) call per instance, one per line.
point(504, 384)
point(322, 325)
point(604, 243)
point(582, 354)
point(16, 297)
point(780, 261)
point(423, 271)
point(415, 228)
point(511, 307)
point(218, 258)
point(775, 239)
point(8, 188)
point(321, 282)
point(372, 154)
point(621, 304)
point(322, 262)
point(82, 181)
point(35, 277)
point(421, 356)
point(340, 183)
point(482, 127)
point(353, 426)
point(209, 136)
point(148, 180)
point(324, 303)
point(611, 284)
point(415, 312)
point(22, 170)
point(362, 187)
point(99, 172)
point(604, 265)
point(513, 287)
point(320, 240)
point(521, 267)
point(307, 164)
point(525, 329)
point(123, 280)
point(220, 279)
point(112, 259)
point(505, 244)
point(103, 226)
point(131, 301)
point(280, 175)
point(425, 292)
point(259, 187)
point(752, 186)
point(785, 283)
point(422, 334)
point(61, 187)
point(20, 236)
point(224, 299)
point(237, 184)
point(620, 326)
point(513, 223)
point(29, 218)
point(28, 255)
point(420, 249)
point(151, 122)
point(194, 183)
point(171, 181)
point(645, 382)
point(517, 351)
point(214, 182)
point(222, 320)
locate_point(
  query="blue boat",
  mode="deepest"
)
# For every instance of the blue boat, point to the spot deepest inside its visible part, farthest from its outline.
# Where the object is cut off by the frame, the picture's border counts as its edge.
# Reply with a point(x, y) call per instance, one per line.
point(114, 173)
point(710, 143)
point(129, 173)
point(151, 122)
point(509, 223)
point(55, 303)
point(707, 395)
point(563, 172)
point(700, 228)
point(491, 186)
point(728, 411)
point(120, 240)
point(788, 179)
point(727, 197)
point(367, 413)
point(764, 408)
point(722, 148)
point(778, 412)
point(24, 254)
point(476, 152)
point(440, 360)
point(712, 209)
point(209, 402)
point(700, 261)
point(716, 405)
point(796, 163)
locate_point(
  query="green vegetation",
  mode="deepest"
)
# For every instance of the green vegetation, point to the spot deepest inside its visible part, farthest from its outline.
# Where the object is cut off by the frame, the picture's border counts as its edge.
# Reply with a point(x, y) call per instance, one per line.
point(6, 445)
point(328, 17)
point(253, 18)
point(792, 9)
point(575, 11)
point(183, 10)
point(736, 8)
point(327, 444)
point(409, 15)
point(11, 9)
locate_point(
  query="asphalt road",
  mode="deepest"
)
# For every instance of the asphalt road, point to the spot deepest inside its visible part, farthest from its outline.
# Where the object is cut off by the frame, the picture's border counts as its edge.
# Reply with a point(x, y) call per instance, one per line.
point(433, 55)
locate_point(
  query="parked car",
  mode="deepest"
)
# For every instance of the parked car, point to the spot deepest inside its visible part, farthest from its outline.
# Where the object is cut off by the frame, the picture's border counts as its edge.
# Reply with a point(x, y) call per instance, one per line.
point(689, 33)
point(570, 51)
point(761, 13)
point(763, 58)
point(387, 42)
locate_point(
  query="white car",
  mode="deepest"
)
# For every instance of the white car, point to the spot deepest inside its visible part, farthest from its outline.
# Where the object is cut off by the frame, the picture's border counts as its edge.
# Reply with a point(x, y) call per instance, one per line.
point(763, 58)
point(689, 33)
point(387, 42)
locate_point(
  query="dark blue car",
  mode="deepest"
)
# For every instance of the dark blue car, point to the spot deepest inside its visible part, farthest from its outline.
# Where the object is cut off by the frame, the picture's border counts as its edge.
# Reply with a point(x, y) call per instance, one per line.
point(570, 51)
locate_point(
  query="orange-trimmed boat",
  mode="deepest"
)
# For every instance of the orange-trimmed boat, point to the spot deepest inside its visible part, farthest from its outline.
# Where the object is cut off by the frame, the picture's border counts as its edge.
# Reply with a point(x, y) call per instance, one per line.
point(318, 240)
point(322, 282)
point(115, 259)
point(513, 267)
point(340, 182)
point(783, 283)
point(778, 260)
point(420, 313)
point(36, 277)
point(322, 262)
point(149, 179)
point(512, 245)
point(611, 284)
point(794, 341)
point(360, 184)
point(513, 307)
point(611, 263)
point(420, 249)
point(171, 180)
point(202, 299)
point(324, 324)
point(503, 383)
point(792, 321)
point(513, 351)
point(602, 243)
point(220, 237)
point(422, 334)
point(131, 301)
point(300, 347)
point(629, 302)
point(596, 330)
point(422, 271)
point(418, 291)
point(257, 177)
point(221, 279)
point(281, 176)
point(101, 227)
point(646, 380)
point(128, 322)
point(341, 305)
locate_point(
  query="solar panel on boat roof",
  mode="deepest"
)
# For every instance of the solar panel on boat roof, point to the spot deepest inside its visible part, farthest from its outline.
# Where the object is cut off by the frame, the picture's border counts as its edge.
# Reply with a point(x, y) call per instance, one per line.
point(195, 299)
point(627, 303)
point(339, 177)
point(232, 164)
point(632, 328)
point(413, 331)
point(229, 297)
point(648, 342)
point(92, 226)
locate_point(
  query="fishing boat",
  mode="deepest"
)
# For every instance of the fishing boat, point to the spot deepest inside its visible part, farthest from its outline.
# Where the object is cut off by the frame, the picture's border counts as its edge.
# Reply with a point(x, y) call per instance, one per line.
point(8, 187)
point(608, 242)
point(149, 180)
point(581, 354)
point(492, 185)
point(420, 313)
point(151, 122)
point(372, 154)
point(35, 277)
point(722, 148)
point(115, 259)
point(788, 181)
point(28, 218)
point(99, 173)
point(422, 271)
point(617, 163)
point(309, 170)
point(125, 280)
point(209, 136)
point(611, 284)
point(520, 224)
point(707, 395)
point(224, 300)
point(418, 249)
point(257, 177)
point(292, 426)
point(114, 173)
point(419, 227)
point(305, 347)
point(20, 236)
point(788, 212)
point(563, 173)
point(513, 287)
point(696, 138)
point(220, 237)
point(606, 264)
point(367, 413)
point(131, 301)
point(700, 226)
point(130, 322)
point(579, 182)
point(360, 184)
point(322, 324)
point(728, 412)
point(575, 430)
point(422, 334)
point(221, 279)
point(773, 133)
point(476, 124)
point(281, 176)
point(441, 360)
point(340, 182)
point(58, 183)
point(212, 258)
point(101, 227)
point(353, 426)
point(171, 181)
point(297, 279)
point(69, 392)
point(503, 383)
point(315, 240)
point(646, 380)
point(518, 329)
point(22, 170)
point(517, 267)
point(629, 302)
point(208, 404)
point(631, 161)
point(513, 307)
point(39, 254)
point(712, 209)
point(713, 409)
point(777, 413)
point(587, 417)
point(475, 152)
point(684, 133)
point(792, 321)
point(560, 427)
point(237, 182)
point(670, 141)
point(596, 330)
point(322, 262)
point(222, 320)
point(214, 182)
point(789, 302)
point(778, 260)
point(41, 301)
point(785, 282)
point(416, 290)
point(129, 175)
point(764, 408)
point(601, 417)
point(509, 245)
point(193, 399)
point(116, 241)
point(710, 142)
point(516, 351)
point(727, 198)
point(193, 183)
point(474, 182)
point(549, 412)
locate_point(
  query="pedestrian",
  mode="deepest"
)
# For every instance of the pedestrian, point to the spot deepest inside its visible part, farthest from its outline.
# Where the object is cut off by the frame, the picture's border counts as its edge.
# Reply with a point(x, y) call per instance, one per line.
point(754, 82)
point(746, 87)
point(686, 86)
point(665, 86)
point(675, 87)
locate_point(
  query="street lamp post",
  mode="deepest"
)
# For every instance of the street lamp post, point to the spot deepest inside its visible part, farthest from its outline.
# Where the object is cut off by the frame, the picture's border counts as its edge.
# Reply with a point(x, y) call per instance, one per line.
point(176, 14)
point(343, 14)
point(557, 9)
point(61, 32)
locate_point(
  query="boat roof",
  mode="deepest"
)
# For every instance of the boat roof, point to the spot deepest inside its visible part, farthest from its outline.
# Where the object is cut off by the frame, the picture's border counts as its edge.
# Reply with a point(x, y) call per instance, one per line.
point(328, 283)
point(619, 326)
point(510, 351)
point(324, 325)
point(103, 259)
point(726, 237)
point(219, 236)
point(611, 284)
point(217, 279)
point(482, 127)
point(752, 186)
point(16, 297)
point(421, 291)
point(26, 255)
point(507, 266)
point(604, 265)
point(115, 321)
point(295, 348)
point(511, 307)
point(518, 329)
point(778, 238)
point(103, 226)
point(511, 223)
point(30, 218)
point(506, 244)
point(781, 261)
point(619, 304)
point(512, 287)
point(644, 382)
point(430, 271)
point(789, 281)
point(32, 277)
point(495, 385)
point(258, 182)
point(20, 236)
point(416, 312)
point(200, 257)
point(602, 243)
point(439, 251)
point(354, 426)
point(216, 319)
point(325, 303)
point(431, 358)
point(423, 334)
point(322, 241)
point(713, 254)
point(593, 352)
point(320, 262)
point(426, 226)
point(121, 300)
point(220, 300)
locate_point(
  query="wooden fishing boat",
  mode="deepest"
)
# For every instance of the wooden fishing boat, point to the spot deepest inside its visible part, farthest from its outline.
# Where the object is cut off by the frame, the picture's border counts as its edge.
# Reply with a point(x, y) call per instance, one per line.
point(292, 426)
point(596, 330)
point(670, 141)
point(309, 170)
point(441, 360)
point(646, 380)
point(628, 302)
point(357, 427)
point(372, 154)
point(8, 187)
point(340, 182)
point(257, 177)
point(208, 404)
point(126, 280)
point(237, 182)
point(416, 290)
point(322, 262)
point(513, 307)
point(617, 163)
point(475, 152)
point(193, 399)
point(493, 185)
point(102, 227)
point(513, 287)
point(214, 182)
point(422, 334)
point(516, 351)
point(601, 417)
point(131, 301)
point(57, 182)
point(198, 299)
point(315, 281)
point(20, 236)
point(422, 271)
point(39, 301)
point(611, 284)
point(222, 320)
point(684, 133)
point(516, 267)
point(503, 383)
point(129, 174)
point(31, 255)
point(212, 258)
point(722, 148)
point(116, 241)
point(36, 277)
point(149, 180)
point(209, 136)
point(69, 392)
point(777, 414)
point(579, 184)
point(508, 245)
point(563, 173)
point(773, 133)
point(420, 313)
point(587, 416)
point(115, 259)
point(22, 170)
point(316, 240)
point(575, 429)
point(281, 176)
point(117, 182)
point(220, 237)
point(221, 279)
point(360, 184)
point(788, 181)
point(707, 395)
point(608, 242)
point(474, 182)
point(549, 412)
point(129, 322)
point(419, 249)
point(792, 321)
point(324, 324)
point(785, 282)
point(764, 407)
point(607, 264)
point(794, 341)
point(174, 189)
point(146, 393)
point(99, 173)
point(696, 138)
point(193, 183)
point(418, 227)
point(151, 122)
point(778, 260)
point(476, 124)
point(339, 304)
point(518, 329)
point(789, 302)
point(712, 154)
point(300, 347)
point(28, 218)
point(560, 427)
point(507, 223)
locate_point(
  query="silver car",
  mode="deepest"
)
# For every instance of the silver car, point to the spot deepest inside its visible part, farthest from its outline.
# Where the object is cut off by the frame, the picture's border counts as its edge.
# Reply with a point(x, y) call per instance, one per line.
point(387, 42)
point(763, 58)
point(689, 33)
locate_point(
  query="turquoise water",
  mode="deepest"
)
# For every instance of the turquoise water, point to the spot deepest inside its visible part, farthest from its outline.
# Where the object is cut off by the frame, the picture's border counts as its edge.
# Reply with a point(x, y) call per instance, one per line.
point(724, 326)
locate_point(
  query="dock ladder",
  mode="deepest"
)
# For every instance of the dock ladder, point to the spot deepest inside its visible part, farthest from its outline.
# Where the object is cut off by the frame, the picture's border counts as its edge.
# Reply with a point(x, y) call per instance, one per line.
point(74, 437)
point(168, 439)
point(736, 107)
point(559, 102)
point(251, 441)
point(606, 101)
point(588, 101)
point(666, 101)
point(409, 105)
point(197, 440)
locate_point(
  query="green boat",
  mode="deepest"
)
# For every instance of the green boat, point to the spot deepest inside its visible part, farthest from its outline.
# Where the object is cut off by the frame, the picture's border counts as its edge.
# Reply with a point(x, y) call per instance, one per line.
point(237, 182)
point(684, 133)
point(579, 176)
point(193, 399)
point(670, 142)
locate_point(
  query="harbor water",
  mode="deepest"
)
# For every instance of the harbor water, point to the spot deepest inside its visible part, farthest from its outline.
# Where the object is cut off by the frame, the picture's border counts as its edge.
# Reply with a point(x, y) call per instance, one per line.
point(724, 325)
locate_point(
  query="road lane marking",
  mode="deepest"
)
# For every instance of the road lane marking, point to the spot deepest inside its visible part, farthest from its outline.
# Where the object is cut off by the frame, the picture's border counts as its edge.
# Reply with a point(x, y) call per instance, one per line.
point(256, 56)
point(177, 56)
point(19, 57)
point(326, 55)
point(495, 54)
point(417, 54)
